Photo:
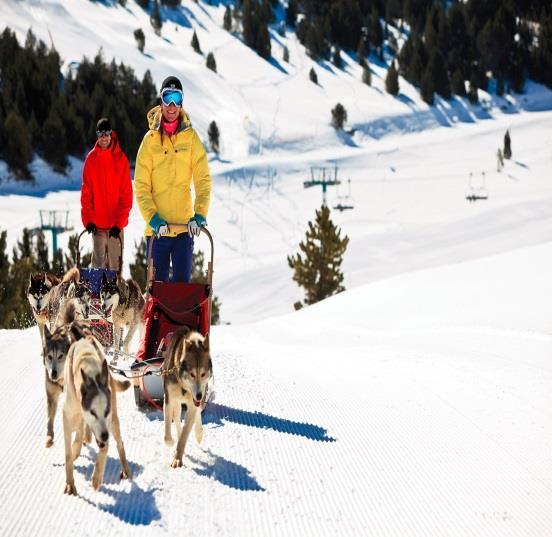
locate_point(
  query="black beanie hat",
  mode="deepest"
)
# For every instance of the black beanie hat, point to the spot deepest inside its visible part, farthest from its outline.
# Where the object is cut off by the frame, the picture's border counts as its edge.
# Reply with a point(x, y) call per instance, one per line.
point(171, 82)
point(103, 124)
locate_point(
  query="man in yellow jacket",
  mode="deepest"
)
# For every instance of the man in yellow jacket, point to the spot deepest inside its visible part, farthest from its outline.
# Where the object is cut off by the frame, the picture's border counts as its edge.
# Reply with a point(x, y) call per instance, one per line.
point(170, 157)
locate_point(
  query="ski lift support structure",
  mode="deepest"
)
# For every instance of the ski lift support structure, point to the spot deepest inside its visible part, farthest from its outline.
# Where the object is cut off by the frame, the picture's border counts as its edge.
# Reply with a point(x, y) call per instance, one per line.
point(55, 221)
point(322, 176)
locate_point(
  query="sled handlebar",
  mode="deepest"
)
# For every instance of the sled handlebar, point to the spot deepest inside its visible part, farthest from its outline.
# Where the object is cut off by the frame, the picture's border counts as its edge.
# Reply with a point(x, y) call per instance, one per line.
point(120, 269)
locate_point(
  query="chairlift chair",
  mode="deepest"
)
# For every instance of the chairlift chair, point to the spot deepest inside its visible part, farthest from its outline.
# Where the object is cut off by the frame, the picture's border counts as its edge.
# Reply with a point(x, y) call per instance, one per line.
point(344, 202)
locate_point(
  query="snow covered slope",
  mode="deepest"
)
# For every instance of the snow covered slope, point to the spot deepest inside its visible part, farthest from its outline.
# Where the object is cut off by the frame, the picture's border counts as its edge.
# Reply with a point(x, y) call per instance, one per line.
point(418, 405)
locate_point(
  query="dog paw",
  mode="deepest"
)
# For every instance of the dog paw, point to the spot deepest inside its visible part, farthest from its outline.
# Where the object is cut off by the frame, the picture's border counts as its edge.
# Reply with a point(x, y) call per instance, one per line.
point(70, 489)
point(49, 441)
point(96, 482)
point(125, 475)
point(176, 463)
point(169, 440)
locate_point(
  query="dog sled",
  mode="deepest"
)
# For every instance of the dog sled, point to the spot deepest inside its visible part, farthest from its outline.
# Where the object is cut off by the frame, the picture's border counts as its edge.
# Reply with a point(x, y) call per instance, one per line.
point(169, 306)
point(101, 327)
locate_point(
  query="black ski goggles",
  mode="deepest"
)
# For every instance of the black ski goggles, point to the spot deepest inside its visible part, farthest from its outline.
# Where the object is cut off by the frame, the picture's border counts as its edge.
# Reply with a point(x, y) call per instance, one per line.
point(99, 134)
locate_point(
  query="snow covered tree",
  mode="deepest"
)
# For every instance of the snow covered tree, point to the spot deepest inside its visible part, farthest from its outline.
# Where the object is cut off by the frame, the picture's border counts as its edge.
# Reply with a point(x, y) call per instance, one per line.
point(140, 39)
point(195, 43)
point(155, 18)
point(313, 76)
point(366, 75)
point(392, 80)
point(227, 23)
point(318, 270)
point(211, 62)
point(336, 59)
point(214, 137)
point(339, 116)
point(286, 55)
point(361, 52)
point(507, 146)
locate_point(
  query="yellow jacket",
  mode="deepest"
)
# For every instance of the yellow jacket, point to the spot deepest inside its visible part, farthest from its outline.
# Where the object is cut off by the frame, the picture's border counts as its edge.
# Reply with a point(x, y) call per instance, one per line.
point(165, 166)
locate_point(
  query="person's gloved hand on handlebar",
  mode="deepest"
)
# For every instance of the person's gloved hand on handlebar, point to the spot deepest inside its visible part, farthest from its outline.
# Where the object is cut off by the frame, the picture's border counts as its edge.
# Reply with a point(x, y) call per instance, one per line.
point(158, 225)
point(195, 224)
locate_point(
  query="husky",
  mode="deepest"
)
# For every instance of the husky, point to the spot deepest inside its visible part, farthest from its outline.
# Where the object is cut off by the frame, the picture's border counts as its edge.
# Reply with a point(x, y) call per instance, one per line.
point(80, 295)
point(56, 347)
point(123, 301)
point(46, 294)
point(188, 368)
point(91, 400)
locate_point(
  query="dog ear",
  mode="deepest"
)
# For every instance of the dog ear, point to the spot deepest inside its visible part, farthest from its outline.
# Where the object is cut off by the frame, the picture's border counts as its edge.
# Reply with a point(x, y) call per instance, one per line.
point(71, 290)
point(206, 342)
point(104, 375)
point(47, 333)
point(104, 278)
point(85, 378)
point(76, 331)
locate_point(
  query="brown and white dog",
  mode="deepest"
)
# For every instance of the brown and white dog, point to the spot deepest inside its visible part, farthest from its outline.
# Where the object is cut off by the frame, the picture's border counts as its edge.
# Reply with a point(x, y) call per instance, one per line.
point(188, 368)
point(90, 400)
point(46, 294)
point(123, 301)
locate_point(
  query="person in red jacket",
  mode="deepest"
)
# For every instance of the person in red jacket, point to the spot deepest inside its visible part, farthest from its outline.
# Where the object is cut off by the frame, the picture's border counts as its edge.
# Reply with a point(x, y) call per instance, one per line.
point(106, 196)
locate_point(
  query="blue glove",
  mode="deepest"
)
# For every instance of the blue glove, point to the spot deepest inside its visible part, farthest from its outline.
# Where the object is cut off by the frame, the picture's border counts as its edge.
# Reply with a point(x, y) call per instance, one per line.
point(195, 224)
point(159, 226)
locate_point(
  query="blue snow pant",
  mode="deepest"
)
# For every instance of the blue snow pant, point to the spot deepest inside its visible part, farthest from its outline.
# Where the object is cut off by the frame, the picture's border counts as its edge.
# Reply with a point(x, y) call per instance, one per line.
point(177, 250)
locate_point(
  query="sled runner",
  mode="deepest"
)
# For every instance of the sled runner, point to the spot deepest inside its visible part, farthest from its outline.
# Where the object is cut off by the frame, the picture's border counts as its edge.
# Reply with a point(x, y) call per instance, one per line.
point(169, 306)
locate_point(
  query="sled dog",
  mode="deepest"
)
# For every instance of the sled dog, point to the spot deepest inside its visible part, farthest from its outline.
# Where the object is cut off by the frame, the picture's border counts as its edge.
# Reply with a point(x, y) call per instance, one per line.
point(46, 294)
point(54, 354)
point(90, 400)
point(123, 300)
point(80, 295)
point(188, 368)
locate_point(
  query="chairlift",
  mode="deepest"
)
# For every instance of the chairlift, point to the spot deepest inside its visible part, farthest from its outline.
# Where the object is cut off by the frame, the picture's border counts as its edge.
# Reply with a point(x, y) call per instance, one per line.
point(344, 202)
point(480, 192)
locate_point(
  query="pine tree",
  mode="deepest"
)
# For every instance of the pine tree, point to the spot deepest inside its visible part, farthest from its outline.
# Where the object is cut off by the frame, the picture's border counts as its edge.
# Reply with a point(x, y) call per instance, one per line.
point(199, 275)
point(472, 92)
point(339, 116)
point(427, 88)
point(195, 43)
point(458, 83)
point(41, 253)
point(71, 254)
point(291, 12)
point(313, 76)
point(366, 75)
point(138, 269)
point(144, 4)
point(263, 42)
point(54, 145)
point(318, 270)
point(18, 150)
point(211, 62)
point(361, 52)
point(6, 291)
point(286, 55)
point(155, 18)
point(227, 24)
point(140, 39)
point(214, 137)
point(507, 152)
point(336, 60)
point(392, 80)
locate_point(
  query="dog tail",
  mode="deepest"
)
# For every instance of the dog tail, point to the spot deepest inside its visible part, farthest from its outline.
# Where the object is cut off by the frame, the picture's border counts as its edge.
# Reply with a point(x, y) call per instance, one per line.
point(72, 275)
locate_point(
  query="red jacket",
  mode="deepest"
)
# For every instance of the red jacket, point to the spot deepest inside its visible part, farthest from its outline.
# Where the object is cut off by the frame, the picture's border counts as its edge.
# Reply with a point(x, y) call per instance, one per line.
point(106, 194)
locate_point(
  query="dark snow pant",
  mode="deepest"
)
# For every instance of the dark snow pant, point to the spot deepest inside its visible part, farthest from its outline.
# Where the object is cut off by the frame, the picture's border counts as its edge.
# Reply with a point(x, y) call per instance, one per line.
point(176, 250)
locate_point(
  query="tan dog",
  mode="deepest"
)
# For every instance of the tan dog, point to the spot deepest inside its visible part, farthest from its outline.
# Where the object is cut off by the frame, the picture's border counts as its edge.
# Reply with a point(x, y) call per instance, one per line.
point(54, 354)
point(91, 400)
point(188, 369)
